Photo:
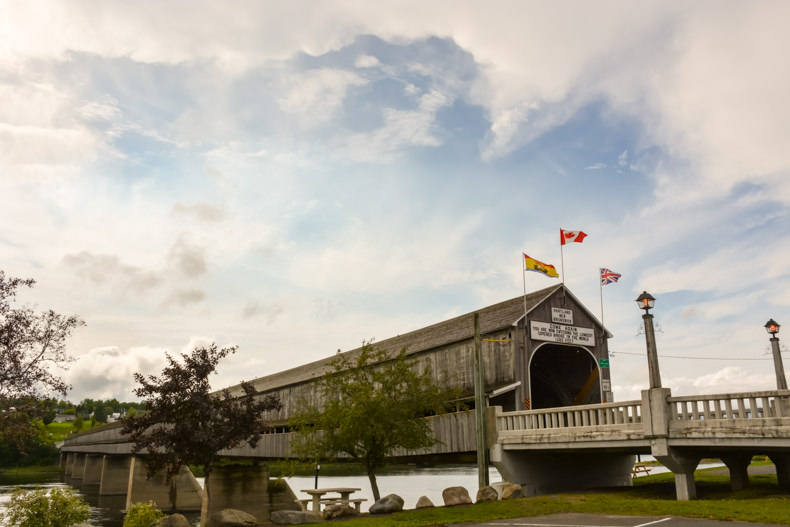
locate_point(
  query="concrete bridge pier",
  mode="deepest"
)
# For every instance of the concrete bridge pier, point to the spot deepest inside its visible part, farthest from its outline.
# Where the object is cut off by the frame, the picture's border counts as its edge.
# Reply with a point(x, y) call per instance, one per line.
point(78, 469)
point(245, 488)
point(681, 464)
point(92, 472)
point(114, 475)
point(68, 464)
point(183, 493)
point(782, 464)
point(544, 473)
point(738, 465)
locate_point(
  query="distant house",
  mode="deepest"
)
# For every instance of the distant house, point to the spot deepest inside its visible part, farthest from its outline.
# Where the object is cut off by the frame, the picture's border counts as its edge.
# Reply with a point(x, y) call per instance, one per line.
point(64, 418)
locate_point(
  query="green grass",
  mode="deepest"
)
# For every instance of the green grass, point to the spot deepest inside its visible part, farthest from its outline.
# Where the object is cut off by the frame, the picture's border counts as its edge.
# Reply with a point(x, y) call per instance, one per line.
point(54, 432)
point(654, 495)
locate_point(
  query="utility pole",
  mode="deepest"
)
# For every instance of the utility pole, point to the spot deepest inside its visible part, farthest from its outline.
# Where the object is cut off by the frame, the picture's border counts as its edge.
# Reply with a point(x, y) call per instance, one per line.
point(480, 408)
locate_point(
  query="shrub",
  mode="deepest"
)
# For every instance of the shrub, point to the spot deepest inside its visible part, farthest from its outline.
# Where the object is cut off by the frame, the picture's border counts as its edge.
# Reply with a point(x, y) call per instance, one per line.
point(41, 508)
point(142, 514)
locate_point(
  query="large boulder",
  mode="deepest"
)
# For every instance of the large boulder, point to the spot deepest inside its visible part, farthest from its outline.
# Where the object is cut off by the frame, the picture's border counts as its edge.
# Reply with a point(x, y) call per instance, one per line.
point(389, 503)
point(174, 520)
point(231, 518)
point(512, 490)
point(487, 493)
point(294, 517)
point(424, 503)
point(339, 510)
point(456, 496)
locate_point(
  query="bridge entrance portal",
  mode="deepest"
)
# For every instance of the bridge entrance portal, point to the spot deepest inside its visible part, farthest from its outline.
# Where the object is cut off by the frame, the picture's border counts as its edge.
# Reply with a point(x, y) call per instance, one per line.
point(562, 375)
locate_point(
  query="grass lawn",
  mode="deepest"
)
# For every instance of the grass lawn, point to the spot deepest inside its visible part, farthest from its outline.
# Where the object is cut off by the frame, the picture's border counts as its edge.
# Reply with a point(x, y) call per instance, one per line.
point(55, 432)
point(762, 502)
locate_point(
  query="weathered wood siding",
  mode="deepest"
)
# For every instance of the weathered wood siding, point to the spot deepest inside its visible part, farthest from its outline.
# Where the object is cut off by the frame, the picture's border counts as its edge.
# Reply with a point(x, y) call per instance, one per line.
point(455, 433)
point(452, 363)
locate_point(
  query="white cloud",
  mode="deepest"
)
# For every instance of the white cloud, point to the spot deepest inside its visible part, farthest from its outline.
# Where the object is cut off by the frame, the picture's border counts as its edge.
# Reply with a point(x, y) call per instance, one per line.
point(316, 96)
point(104, 373)
point(366, 61)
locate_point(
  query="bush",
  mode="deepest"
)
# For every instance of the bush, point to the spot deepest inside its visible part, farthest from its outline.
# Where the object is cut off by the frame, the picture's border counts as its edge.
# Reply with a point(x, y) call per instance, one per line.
point(142, 515)
point(41, 508)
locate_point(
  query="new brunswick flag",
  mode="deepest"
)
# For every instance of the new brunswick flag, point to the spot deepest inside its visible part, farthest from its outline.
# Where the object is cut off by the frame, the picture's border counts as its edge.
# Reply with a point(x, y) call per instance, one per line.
point(540, 267)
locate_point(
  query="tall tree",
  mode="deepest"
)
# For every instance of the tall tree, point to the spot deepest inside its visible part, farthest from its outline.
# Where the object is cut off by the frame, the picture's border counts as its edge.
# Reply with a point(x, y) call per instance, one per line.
point(32, 349)
point(185, 423)
point(370, 404)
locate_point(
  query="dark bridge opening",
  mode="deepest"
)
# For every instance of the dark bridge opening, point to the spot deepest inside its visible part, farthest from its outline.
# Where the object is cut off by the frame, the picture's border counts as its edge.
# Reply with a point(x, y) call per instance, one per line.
point(563, 376)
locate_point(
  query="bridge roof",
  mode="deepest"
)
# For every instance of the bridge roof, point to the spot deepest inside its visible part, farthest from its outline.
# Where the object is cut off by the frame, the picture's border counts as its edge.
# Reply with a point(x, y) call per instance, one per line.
point(492, 318)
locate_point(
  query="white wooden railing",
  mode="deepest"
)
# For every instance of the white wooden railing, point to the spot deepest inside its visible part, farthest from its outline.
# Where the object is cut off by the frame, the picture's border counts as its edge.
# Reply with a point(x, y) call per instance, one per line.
point(629, 412)
point(759, 408)
point(752, 405)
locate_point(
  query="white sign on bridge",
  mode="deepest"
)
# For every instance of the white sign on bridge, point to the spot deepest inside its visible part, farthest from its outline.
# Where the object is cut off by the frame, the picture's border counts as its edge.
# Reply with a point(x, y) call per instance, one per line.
point(561, 316)
point(561, 333)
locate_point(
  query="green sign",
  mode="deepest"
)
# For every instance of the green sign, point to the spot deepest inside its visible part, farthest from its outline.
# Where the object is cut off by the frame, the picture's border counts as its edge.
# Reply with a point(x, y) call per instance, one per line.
point(604, 363)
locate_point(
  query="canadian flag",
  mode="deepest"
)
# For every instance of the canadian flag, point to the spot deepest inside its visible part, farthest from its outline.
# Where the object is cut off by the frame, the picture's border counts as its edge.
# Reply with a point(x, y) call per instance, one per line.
point(571, 236)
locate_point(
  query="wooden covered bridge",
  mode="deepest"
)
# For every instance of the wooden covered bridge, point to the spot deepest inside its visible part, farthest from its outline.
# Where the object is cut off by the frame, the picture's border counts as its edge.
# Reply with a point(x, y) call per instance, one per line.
point(548, 387)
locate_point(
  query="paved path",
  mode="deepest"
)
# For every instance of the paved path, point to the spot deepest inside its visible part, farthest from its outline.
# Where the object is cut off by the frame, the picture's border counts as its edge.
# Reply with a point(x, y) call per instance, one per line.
point(606, 520)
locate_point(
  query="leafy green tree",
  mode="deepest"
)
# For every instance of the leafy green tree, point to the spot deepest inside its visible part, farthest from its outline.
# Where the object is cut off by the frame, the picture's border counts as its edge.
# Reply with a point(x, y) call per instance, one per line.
point(41, 508)
point(185, 423)
point(32, 348)
point(370, 404)
point(142, 515)
point(100, 413)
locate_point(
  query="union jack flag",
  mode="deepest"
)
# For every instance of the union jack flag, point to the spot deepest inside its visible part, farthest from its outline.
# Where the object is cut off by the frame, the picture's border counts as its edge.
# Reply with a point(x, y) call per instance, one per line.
point(608, 276)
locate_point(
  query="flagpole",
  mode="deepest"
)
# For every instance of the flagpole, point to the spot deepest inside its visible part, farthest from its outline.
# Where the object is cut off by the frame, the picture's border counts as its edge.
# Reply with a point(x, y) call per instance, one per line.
point(600, 287)
point(524, 278)
point(562, 258)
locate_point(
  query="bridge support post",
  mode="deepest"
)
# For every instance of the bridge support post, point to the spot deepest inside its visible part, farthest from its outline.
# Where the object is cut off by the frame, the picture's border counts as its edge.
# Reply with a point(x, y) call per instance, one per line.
point(78, 471)
point(242, 487)
point(681, 464)
point(543, 473)
point(92, 473)
point(68, 464)
point(114, 475)
point(782, 464)
point(738, 465)
point(188, 492)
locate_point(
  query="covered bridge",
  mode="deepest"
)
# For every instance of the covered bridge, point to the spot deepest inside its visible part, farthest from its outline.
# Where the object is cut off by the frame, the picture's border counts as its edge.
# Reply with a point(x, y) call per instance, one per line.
point(540, 350)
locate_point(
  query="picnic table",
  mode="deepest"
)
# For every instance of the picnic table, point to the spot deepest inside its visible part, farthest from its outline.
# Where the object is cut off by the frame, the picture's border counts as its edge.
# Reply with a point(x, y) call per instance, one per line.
point(321, 496)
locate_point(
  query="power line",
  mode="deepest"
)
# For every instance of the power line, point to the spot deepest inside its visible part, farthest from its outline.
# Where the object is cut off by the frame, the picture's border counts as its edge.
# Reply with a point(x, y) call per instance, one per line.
point(616, 353)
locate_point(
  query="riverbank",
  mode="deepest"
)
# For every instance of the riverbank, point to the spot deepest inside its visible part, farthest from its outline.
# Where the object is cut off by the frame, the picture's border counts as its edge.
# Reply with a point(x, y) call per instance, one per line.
point(654, 495)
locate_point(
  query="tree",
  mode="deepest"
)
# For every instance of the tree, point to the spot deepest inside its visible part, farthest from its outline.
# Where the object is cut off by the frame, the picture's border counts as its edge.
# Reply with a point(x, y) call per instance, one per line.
point(185, 423)
point(370, 405)
point(41, 508)
point(32, 345)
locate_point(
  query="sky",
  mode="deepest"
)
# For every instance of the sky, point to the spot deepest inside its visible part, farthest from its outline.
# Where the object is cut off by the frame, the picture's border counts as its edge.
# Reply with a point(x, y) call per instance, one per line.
point(296, 177)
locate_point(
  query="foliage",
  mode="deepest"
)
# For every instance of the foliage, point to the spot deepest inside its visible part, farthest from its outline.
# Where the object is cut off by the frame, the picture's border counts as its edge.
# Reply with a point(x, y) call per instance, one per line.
point(185, 422)
point(371, 404)
point(32, 344)
point(142, 515)
point(41, 508)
